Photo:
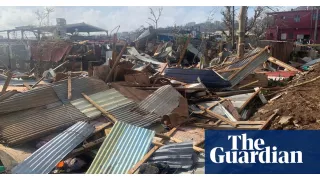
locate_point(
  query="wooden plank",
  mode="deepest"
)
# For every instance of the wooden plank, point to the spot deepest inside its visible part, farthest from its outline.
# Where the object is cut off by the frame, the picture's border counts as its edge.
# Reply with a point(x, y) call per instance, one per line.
point(282, 64)
point(104, 112)
point(69, 86)
point(220, 117)
point(27, 86)
point(216, 103)
point(6, 84)
point(266, 124)
point(246, 85)
point(198, 149)
point(115, 63)
point(248, 101)
point(149, 154)
point(86, 147)
point(42, 78)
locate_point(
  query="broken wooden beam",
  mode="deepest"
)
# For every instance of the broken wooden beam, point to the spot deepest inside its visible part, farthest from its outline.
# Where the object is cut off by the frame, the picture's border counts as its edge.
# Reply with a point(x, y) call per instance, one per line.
point(246, 85)
point(268, 121)
point(218, 116)
point(249, 100)
point(6, 84)
point(115, 63)
point(104, 112)
point(86, 147)
point(282, 64)
point(198, 149)
point(149, 154)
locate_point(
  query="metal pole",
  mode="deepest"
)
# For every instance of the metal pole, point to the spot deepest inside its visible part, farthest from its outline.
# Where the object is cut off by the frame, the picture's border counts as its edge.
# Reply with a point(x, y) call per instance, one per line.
point(316, 26)
point(233, 27)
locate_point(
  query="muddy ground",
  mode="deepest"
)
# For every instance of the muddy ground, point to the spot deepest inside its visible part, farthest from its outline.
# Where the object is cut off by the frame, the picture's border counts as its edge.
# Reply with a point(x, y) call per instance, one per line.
point(301, 103)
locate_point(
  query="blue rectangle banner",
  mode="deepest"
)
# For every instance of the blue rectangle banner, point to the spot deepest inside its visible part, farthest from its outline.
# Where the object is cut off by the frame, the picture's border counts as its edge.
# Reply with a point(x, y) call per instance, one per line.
point(262, 152)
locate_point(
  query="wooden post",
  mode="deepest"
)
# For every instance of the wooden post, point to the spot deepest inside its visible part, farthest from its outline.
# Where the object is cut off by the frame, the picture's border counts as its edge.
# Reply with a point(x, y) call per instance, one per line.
point(6, 84)
point(242, 19)
point(183, 52)
point(116, 62)
point(104, 112)
point(69, 86)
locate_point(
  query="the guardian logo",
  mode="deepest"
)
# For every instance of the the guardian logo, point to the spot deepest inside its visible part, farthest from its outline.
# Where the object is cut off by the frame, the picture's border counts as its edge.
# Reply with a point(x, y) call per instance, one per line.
point(247, 150)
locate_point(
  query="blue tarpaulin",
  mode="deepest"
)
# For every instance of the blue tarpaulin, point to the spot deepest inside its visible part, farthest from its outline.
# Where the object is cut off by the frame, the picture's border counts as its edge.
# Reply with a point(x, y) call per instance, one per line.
point(209, 78)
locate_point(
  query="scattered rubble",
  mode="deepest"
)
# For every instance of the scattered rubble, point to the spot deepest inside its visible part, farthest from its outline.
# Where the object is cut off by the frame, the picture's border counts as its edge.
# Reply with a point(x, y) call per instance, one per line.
point(143, 107)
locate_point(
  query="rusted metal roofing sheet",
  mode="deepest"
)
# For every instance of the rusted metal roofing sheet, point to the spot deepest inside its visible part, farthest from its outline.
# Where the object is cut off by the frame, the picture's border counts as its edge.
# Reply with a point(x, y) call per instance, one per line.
point(45, 158)
point(79, 85)
point(27, 125)
point(49, 50)
point(176, 155)
point(33, 98)
point(161, 102)
point(249, 67)
point(122, 149)
point(122, 108)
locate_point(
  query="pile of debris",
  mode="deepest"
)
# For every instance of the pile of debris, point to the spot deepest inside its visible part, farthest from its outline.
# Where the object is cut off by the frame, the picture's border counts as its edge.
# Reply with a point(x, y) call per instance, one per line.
point(296, 106)
point(145, 111)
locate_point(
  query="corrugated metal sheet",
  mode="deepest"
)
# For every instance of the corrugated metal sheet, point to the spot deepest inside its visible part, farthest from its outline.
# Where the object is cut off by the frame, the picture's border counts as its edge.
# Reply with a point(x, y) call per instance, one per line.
point(224, 108)
point(49, 50)
point(27, 125)
point(121, 150)
point(79, 85)
point(132, 51)
point(209, 78)
point(177, 155)
point(249, 68)
point(122, 108)
point(163, 101)
point(34, 98)
point(45, 158)
point(241, 63)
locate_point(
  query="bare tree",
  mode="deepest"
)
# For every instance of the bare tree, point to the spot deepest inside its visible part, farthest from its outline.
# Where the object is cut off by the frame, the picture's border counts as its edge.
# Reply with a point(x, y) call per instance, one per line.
point(155, 18)
point(42, 15)
point(47, 13)
point(249, 22)
point(227, 20)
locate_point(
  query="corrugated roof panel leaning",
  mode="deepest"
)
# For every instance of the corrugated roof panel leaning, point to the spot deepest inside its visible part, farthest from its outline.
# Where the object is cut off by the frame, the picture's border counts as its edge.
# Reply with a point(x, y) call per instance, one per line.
point(122, 149)
point(45, 158)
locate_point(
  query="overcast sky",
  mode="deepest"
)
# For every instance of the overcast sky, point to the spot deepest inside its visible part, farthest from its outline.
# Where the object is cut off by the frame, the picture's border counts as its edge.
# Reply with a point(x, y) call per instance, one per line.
point(129, 18)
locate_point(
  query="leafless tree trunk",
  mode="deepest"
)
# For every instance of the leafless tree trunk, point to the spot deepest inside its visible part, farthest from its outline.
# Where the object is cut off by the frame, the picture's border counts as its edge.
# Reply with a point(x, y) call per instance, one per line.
point(242, 27)
point(155, 18)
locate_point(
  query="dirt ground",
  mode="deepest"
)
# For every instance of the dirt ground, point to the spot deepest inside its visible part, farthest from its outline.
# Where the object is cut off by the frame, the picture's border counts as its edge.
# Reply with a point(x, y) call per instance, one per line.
point(302, 103)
